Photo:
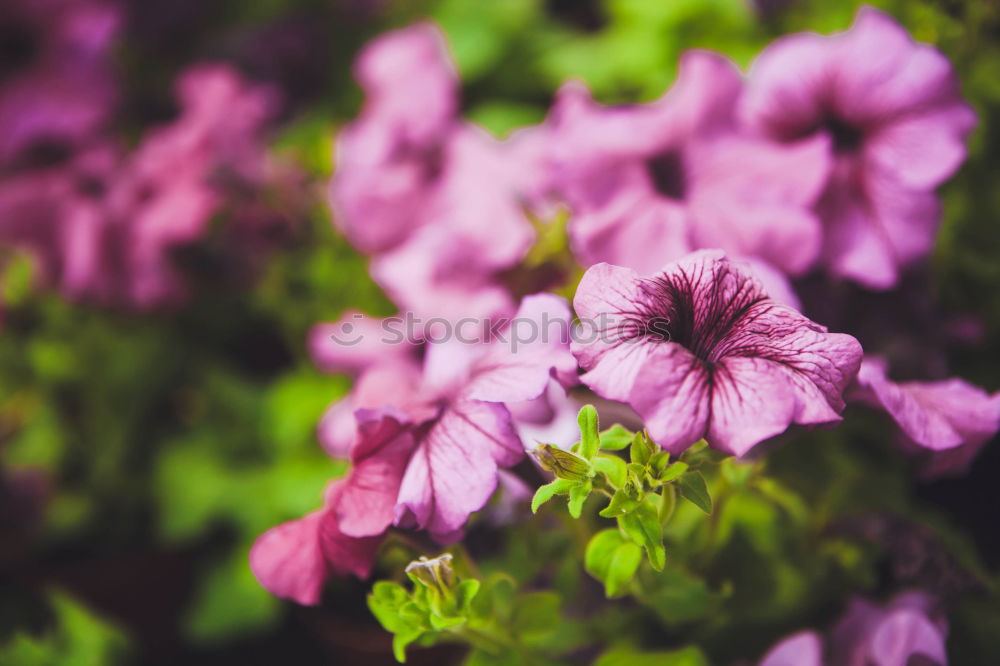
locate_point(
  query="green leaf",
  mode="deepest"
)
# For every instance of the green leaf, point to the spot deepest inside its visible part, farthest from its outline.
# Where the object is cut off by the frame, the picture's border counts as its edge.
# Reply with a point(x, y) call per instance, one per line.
point(577, 496)
point(616, 438)
point(693, 489)
point(621, 503)
point(668, 501)
point(642, 449)
point(673, 471)
point(589, 435)
point(659, 462)
point(612, 467)
point(624, 563)
point(611, 559)
point(643, 526)
point(689, 656)
point(548, 491)
point(597, 557)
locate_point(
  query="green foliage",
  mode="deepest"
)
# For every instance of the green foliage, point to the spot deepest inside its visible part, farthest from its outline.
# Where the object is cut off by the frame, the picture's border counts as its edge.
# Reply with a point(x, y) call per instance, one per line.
point(641, 493)
point(501, 625)
point(77, 639)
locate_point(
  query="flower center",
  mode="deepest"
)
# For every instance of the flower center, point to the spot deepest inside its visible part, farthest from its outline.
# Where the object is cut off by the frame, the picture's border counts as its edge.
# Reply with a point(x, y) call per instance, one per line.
point(666, 171)
point(18, 47)
point(847, 138)
point(705, 323)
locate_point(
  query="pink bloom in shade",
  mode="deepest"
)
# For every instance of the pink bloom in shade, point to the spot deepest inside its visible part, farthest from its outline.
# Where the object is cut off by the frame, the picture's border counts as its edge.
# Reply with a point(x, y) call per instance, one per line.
point(647, 184)
point(437, 201)
point(390, 156)
point(889, 636)
point(896, 124)
point(700, 351)
point(105, 225)
point(55, 81)
point(802, 649)
point(431, 440)
point(475, 229)
point(949, 421)
point(294, 559)
point(870, 635)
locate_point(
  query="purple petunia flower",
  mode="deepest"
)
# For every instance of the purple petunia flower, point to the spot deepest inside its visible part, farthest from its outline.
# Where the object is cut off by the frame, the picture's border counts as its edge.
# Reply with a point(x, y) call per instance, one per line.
point(948, 422)
point(699, 350)
point(896, 124)
point(647, 184)
point(870, 635)
point(431, 436)
point(55, 82)
point(436, 200)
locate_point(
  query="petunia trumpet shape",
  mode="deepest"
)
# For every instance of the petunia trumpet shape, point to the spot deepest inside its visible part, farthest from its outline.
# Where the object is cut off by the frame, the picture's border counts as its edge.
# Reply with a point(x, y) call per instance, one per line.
point(647, 184)
point(948, 421)
point(896, 123)
point(432, 438)
point(700, 351)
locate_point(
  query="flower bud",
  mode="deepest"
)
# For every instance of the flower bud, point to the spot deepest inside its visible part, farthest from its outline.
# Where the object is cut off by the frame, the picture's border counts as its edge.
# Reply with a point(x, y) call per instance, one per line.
point(563, 464)
point(435, 573)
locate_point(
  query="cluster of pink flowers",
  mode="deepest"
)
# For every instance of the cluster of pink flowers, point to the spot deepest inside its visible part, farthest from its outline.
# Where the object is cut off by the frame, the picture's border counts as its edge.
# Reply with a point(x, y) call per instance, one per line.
point(103, 221)
point(907, 628)
point(695, 214)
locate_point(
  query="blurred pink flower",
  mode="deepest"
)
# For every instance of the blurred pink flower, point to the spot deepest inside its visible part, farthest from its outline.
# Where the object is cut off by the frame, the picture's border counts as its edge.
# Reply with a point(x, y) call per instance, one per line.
point(56, 87)
point(946, 421)
point(802, 649)
point(896, 123)
point(436, 200)
point(104, 225)
point(890, 635)
point(294, 559)
point(869, 635)
point(699, 350)
point(646, 184)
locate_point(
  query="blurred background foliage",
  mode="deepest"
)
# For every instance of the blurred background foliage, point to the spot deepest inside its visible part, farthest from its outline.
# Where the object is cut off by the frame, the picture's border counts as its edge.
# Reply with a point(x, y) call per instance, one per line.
point(166, 442)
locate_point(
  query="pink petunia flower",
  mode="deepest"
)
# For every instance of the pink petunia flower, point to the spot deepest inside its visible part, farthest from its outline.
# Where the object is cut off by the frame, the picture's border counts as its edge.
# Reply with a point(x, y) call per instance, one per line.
point(444, 428)
point(436, 200)
point(647, 184)
point(700, 351)
point(870, 635)
point(947, 422)
point(56, 87)
point(104, 226)
point(294, 559)
point(896, 123)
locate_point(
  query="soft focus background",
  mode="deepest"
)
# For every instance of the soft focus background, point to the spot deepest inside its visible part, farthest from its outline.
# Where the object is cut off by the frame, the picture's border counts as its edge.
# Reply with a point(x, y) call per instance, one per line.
point(147, 438)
